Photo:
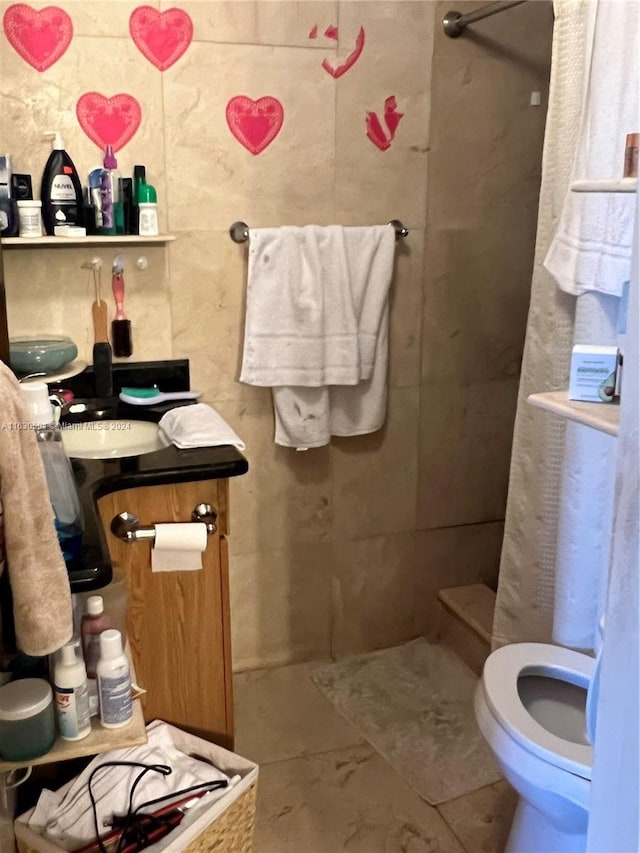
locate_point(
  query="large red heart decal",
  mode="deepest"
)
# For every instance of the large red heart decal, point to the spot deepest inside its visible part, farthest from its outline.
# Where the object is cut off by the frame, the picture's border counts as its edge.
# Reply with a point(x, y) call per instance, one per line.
point(255, 124)
point(39, 36)
point(161, 36)
point(108, 121)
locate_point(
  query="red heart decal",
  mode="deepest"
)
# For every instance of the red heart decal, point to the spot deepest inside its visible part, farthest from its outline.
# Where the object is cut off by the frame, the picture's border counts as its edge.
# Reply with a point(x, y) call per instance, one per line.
point(255, 124)
point(39, 36)
point(342, 68)
point(161, 36)
point(108, 121)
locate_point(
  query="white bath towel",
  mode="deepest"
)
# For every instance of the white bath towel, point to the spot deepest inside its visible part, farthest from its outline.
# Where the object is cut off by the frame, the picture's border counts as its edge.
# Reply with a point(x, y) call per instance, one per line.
point(314, 304)
point(307, 413)
point(198, 426)
point(591, 249)
point(308, 417)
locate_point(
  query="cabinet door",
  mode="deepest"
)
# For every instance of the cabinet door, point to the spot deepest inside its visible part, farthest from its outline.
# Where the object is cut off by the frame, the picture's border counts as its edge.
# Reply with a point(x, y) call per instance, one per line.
point(178, 622)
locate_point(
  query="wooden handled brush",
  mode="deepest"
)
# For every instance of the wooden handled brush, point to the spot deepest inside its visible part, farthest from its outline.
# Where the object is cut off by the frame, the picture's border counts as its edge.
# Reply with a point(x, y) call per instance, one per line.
point(101, 347)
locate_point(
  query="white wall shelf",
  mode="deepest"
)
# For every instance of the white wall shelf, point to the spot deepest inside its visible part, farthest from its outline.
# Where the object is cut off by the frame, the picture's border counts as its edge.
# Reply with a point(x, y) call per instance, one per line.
point(622, 185)
point(91, 240)
point(604, 417)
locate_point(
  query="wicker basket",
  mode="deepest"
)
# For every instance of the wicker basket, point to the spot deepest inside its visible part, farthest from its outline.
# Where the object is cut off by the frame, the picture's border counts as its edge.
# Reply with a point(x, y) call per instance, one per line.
point(226, 826)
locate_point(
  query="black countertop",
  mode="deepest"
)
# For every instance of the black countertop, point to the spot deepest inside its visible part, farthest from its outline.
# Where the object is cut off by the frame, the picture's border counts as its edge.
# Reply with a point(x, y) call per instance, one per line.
point(170, 466)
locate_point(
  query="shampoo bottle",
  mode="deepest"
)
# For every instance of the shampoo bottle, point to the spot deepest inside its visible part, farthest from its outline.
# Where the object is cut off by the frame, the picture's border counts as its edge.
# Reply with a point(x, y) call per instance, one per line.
point(61, 190)
point(114, 682)
point(71, 694)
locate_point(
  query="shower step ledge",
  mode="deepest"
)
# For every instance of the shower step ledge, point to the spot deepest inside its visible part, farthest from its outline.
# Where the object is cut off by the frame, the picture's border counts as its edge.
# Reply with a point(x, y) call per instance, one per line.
point(466, 619)
point(473, 604)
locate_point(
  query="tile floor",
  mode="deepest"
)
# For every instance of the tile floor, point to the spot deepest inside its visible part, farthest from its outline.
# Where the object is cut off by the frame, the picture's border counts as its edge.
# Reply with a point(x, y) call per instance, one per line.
point(323, 789)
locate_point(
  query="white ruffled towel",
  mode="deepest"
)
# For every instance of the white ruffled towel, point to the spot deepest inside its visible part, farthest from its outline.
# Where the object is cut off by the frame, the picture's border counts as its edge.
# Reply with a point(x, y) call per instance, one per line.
point(65, 816)
point(591, 249)
point(316, 328)
point(198, 426)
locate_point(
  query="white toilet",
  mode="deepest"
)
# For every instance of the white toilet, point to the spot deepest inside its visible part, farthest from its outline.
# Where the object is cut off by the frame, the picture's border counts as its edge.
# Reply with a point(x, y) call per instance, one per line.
point(534, 707)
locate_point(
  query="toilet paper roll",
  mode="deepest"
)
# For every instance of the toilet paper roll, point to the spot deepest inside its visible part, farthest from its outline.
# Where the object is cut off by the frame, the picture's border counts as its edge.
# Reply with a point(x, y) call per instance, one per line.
point(178, 547)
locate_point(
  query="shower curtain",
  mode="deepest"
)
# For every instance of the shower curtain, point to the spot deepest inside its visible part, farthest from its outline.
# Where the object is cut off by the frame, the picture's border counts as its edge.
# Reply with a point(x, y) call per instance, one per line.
point(526, 587)
point(556, 551)
point(615, 794)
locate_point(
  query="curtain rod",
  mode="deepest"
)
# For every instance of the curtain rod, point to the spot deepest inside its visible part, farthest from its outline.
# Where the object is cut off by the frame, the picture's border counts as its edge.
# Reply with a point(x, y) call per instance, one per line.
point(454, 24)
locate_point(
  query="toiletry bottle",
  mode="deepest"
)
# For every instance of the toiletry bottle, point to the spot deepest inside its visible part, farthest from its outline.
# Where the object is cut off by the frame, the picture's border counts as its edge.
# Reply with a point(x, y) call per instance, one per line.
point(71, 694)
point(114, 682)
point(60, 480)
point(631, 155)
point(8, 208)
point(148, 211)
point(94, 622)
point(139, 178)
point(61, 191)
point(112, 215)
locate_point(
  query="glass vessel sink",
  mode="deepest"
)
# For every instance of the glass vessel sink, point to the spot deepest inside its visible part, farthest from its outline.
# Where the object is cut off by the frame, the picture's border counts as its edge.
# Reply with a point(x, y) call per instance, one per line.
point(111, 438)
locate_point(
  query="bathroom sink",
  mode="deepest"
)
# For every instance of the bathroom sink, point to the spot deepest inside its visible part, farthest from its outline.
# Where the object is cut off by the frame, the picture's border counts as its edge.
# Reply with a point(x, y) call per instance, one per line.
point(111, 438)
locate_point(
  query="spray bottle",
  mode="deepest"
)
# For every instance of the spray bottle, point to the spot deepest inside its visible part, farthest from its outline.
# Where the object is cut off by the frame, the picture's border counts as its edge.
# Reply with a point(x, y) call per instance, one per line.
point(112, 213)
point(60, 480)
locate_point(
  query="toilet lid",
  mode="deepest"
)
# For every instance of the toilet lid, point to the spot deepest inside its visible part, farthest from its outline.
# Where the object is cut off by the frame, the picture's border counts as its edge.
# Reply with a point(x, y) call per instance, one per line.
point(502, 670)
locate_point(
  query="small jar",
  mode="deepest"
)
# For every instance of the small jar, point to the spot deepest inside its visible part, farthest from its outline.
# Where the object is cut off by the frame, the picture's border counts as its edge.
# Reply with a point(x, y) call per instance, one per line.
point(27, 724)
point(29, 217)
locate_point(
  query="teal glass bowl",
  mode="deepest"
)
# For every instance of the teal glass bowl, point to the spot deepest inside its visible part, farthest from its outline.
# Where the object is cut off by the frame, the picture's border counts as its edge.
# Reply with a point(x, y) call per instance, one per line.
point(41, 355)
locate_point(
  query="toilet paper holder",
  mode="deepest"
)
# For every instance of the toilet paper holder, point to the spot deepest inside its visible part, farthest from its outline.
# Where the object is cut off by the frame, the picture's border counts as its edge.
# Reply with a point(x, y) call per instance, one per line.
point(126, 525)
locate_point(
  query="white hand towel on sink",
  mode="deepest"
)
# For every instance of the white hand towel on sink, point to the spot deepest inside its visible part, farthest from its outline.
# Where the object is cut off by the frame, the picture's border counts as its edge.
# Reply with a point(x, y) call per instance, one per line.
point(198, 426)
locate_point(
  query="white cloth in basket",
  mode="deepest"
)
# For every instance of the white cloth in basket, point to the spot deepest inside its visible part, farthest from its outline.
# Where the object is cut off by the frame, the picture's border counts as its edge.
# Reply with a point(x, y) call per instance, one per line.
point(65, 816)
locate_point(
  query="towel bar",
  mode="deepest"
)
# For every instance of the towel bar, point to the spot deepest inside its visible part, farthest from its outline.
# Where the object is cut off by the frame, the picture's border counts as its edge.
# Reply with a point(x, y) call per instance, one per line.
point(239, 231)
point(126, 526)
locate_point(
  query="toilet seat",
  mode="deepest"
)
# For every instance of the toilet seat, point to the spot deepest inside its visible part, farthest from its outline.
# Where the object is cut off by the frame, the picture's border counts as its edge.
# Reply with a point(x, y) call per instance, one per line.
point(502, 670)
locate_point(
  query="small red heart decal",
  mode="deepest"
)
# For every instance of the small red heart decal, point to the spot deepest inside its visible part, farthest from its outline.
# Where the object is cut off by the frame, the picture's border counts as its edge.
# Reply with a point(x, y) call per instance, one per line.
point(255, 124)
point(108, 121)
point(342, 68)
point(161, 36)
point(39, 36)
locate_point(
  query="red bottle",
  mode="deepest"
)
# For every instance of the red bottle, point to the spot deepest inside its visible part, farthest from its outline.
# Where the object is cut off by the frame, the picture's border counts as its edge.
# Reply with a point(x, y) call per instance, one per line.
point(94, 622)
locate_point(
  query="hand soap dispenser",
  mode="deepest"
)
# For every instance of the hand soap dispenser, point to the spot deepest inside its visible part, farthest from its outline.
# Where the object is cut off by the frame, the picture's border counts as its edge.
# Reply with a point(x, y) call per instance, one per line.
point(61, 190)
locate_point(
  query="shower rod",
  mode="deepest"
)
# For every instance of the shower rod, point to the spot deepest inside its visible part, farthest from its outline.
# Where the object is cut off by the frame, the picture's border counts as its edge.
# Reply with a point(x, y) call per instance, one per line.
point(239, 231)
point(454, 24)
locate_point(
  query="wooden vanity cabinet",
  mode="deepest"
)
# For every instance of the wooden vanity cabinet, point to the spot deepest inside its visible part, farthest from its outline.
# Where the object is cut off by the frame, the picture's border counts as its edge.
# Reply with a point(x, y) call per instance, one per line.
point(178, 622)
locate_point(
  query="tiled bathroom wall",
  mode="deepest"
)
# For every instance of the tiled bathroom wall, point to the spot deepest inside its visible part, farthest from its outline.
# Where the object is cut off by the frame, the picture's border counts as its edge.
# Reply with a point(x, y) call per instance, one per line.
point(342, 548)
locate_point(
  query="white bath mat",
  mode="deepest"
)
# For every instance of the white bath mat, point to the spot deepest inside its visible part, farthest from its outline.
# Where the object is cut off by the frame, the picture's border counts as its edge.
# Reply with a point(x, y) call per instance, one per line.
point(414, 704)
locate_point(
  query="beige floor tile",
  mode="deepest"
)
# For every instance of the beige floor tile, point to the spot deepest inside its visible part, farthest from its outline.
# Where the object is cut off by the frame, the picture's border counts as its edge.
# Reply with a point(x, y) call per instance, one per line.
point(347, 800)
point(281, 714)
point(482, 820)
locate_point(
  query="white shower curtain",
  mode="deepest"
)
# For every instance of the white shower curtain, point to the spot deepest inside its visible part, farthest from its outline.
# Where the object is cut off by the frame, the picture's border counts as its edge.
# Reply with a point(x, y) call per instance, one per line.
point(555, 558)
point(524, 605)
point(615, 788)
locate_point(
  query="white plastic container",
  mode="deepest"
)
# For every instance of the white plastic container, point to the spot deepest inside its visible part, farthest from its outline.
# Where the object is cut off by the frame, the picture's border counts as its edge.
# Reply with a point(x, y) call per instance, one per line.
point(114, 682)
point(148, 224)
point(30, 218)
point(71, 694)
